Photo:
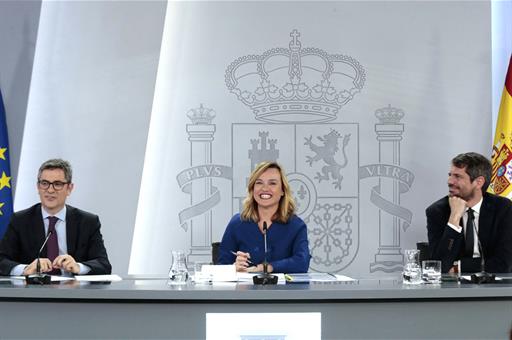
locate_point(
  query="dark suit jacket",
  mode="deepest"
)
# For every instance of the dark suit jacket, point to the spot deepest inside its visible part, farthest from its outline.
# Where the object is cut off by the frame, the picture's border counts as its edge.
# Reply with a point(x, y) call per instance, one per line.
point(494, 231)
point(25, 234)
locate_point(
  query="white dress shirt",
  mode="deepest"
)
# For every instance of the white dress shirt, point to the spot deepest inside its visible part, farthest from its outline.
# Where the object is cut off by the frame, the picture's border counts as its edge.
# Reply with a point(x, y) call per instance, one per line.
point(476, 212)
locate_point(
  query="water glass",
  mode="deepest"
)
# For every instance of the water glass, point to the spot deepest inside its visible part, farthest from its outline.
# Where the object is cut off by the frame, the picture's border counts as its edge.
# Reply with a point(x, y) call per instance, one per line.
point(178, 274)
point(431, 270)
point(412, 270)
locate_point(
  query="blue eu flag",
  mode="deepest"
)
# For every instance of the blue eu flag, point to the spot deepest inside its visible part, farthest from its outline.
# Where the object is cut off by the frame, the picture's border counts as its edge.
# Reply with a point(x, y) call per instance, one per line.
point(5, 173)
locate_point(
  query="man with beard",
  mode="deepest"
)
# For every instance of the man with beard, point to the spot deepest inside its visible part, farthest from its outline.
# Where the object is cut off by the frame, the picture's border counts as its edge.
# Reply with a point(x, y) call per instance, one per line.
point(468, 215)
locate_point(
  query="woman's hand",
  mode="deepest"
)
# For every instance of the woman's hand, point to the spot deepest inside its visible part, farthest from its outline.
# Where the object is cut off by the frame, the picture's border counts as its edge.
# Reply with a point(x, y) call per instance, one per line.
point(259, 268)
point(242, 261)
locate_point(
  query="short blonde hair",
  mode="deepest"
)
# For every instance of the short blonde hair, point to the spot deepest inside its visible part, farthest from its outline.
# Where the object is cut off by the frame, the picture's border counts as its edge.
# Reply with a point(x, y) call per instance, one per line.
point(286, 204)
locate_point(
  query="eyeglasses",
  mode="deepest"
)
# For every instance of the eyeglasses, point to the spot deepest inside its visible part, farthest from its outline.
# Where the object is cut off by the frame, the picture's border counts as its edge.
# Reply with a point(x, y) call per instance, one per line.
point(57, 185)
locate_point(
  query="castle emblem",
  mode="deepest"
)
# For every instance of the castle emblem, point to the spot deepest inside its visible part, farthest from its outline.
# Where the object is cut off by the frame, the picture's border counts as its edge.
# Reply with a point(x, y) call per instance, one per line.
point(263, 149)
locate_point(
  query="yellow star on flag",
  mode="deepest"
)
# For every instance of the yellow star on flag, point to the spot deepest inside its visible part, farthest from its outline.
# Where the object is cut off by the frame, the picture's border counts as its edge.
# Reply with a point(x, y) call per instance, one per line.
point(1, 205)
point(4, 181)
point(2, 153)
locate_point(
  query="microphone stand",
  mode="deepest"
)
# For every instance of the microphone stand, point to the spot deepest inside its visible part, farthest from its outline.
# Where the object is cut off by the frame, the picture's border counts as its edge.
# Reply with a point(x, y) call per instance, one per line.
point(40, 278)
point(482, 276)
point(266, 278)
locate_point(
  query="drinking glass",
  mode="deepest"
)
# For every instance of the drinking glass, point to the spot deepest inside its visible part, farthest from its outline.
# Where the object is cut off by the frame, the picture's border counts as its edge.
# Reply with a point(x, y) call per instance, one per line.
point(431, 271)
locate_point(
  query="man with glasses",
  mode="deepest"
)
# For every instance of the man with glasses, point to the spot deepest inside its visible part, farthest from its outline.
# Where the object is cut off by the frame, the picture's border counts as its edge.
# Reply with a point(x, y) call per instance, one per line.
point(74, 245)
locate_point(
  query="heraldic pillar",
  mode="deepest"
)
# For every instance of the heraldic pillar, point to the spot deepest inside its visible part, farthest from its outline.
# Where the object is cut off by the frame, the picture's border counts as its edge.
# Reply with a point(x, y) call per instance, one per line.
point(389, 134)
point(200, 134)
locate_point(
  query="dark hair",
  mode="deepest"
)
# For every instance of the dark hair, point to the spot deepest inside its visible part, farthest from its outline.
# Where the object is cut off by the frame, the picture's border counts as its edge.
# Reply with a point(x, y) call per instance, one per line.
point(475, 165)
point(56, 164)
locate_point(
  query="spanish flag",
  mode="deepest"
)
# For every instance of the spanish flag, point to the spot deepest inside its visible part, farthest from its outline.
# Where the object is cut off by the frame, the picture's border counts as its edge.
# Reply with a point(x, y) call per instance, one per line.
point(501, 178)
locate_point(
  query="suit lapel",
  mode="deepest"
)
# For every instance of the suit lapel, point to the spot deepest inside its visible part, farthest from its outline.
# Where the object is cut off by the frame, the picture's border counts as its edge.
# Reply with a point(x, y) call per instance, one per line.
point(39, 233)
point(71, 229)
point(485, 221)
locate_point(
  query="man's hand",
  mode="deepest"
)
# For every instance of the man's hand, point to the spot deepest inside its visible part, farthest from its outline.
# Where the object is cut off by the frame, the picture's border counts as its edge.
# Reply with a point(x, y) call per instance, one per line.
point(45, 265)
point(457, 207)
point(67, 263)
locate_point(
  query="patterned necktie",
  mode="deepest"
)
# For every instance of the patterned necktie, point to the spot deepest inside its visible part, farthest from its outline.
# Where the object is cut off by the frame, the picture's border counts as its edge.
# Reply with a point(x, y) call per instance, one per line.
point(53, 243)
point(470, 227)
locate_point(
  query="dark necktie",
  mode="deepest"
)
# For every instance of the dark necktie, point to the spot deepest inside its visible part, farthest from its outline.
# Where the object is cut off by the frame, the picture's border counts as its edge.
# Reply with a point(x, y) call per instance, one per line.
point(53, 243)
point(470, 239)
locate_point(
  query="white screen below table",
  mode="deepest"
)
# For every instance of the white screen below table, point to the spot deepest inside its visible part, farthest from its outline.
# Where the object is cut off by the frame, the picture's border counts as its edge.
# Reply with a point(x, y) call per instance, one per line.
point(263, 326)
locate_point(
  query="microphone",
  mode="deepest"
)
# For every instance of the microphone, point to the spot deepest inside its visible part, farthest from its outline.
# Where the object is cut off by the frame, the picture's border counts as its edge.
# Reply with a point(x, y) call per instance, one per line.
point(265, 278)
point(265, 263)
point(482, 276)
point(40, 278)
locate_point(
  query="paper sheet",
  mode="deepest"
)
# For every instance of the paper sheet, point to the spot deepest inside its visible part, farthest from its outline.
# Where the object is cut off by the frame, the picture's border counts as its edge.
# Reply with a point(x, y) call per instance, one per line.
point(98, 278)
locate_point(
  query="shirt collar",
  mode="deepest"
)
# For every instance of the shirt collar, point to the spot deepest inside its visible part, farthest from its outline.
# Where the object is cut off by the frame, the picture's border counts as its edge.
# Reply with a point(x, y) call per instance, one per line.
point(61, 215)
point(476, 207)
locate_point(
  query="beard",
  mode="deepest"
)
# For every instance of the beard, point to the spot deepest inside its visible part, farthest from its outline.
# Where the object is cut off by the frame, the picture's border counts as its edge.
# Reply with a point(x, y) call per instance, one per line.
point(466, 195)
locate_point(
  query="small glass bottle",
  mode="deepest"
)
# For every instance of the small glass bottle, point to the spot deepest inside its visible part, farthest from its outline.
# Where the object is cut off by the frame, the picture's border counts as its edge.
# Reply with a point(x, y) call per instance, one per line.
point(178, 274)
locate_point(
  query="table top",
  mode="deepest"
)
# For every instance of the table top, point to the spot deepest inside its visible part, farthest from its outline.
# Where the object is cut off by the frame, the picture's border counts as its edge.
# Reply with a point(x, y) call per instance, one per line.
point(158, 288)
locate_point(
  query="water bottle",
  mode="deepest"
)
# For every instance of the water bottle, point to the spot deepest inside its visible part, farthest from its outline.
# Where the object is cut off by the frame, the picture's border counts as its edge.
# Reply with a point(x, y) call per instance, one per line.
point(178, 275)
point(412, 269)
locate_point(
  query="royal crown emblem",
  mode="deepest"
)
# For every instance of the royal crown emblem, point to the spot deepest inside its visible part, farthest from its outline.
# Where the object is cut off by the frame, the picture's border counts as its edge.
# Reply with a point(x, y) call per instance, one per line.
point(201, 115)
point(389, 115)
point(299, 85)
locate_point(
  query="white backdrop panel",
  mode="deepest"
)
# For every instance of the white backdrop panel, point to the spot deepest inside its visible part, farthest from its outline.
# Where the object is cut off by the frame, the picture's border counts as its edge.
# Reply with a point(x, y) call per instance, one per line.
point(90, 100)
point(426, 67)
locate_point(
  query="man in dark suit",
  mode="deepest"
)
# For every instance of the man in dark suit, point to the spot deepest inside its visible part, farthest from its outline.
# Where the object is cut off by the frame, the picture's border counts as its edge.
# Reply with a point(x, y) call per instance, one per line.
point(75, 244)
point(469, 215)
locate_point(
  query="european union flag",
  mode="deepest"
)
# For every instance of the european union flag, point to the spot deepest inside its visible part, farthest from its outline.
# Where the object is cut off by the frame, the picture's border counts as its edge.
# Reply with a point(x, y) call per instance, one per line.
point(5, 173)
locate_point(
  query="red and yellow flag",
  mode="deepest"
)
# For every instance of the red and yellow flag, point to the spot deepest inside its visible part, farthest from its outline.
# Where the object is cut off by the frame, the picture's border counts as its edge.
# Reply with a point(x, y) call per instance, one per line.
point(501, 179)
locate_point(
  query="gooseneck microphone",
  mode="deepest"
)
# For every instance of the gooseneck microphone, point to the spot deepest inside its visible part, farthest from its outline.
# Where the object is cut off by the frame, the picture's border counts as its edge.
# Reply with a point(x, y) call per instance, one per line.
point(265, 263)
point(38, 277)
point(482, 276)
point(265, 278)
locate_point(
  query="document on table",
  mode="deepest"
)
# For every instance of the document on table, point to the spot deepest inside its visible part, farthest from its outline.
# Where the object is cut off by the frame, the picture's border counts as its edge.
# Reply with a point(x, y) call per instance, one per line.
point(316, 277)
point(58, 278)
point(343, 278)
point(220, 273)
point(228, 273)
point(98, 278)
point(9, 278)
point(84, 278)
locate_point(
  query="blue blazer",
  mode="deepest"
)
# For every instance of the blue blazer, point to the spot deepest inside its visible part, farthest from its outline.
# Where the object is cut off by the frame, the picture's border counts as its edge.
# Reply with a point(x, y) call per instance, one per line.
point(287, 244)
